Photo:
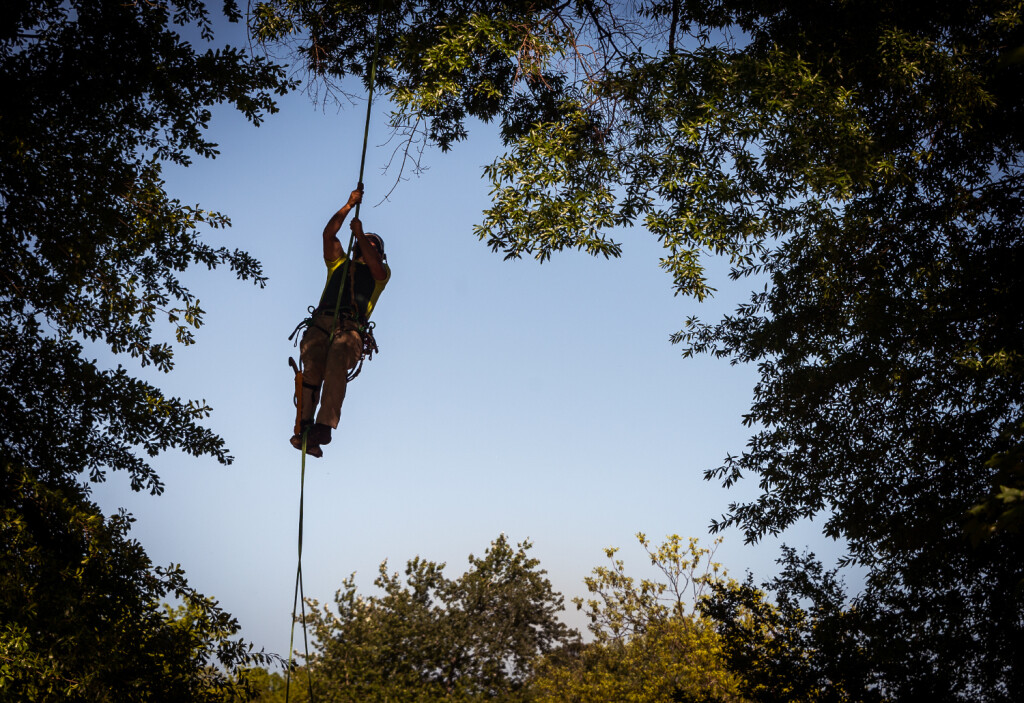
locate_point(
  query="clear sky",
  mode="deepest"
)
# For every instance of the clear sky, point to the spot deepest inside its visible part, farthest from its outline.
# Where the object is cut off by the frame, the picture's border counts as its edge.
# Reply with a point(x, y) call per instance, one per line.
point(540, 401)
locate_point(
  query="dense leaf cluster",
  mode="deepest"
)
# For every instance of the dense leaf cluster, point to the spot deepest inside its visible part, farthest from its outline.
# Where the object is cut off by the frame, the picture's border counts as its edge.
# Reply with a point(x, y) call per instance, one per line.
point(427, 637)
point(92, 246)
point(100, 94)
point(80, 609)
point(649, 641)
point(802, 643)
point(443, 62)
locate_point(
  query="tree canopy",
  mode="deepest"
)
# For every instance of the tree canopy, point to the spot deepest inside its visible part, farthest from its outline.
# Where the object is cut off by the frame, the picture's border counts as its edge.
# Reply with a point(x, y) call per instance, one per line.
point(92, 248)
point(493, 634)
point(85, 615)
point(428, 637)
point(859, 160)
point(797, 638)
point(650, 643)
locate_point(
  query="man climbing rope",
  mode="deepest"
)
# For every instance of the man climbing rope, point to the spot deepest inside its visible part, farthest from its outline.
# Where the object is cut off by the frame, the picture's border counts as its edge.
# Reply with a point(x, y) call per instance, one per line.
point(327, 358)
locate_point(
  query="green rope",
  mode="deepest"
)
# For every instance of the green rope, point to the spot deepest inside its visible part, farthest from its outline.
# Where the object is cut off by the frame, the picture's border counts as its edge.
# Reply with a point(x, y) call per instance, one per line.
point(362, 167)
point(299, 595)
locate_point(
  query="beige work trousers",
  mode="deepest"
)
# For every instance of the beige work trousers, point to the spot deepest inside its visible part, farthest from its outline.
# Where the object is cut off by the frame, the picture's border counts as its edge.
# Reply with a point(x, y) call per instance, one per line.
point(325, 371)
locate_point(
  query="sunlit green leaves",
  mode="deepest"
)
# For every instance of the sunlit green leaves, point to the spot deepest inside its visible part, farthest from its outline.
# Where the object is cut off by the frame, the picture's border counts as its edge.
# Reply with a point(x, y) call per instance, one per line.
point(649, 642)
point(427, 637)
point(557, 186)
point(1002, 511)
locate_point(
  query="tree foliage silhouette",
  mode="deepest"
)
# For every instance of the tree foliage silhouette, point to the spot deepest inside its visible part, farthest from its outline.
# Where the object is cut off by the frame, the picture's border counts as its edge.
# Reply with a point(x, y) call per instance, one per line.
point(92, 249)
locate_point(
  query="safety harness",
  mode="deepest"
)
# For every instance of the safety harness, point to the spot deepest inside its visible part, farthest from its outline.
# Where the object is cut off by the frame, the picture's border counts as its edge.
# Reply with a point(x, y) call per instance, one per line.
point(346, 317)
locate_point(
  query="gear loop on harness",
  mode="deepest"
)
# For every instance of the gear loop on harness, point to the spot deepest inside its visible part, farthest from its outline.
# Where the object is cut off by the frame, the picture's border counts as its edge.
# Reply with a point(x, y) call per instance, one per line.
point(302, 325)
point(363, 327)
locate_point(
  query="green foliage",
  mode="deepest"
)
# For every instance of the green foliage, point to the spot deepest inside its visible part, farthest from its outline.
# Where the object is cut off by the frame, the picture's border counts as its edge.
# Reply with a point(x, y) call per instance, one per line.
point(440, 62)
point(888, 342)
point(864, 160)
point(92, 246)
point(427, 637)
point(678, 660)
point(649, 643)
point(81, 615)
point(620, 608)
point(92, 249)
point(602, 132)
point(272, 687)
point(803, 644)
point(1003, 510)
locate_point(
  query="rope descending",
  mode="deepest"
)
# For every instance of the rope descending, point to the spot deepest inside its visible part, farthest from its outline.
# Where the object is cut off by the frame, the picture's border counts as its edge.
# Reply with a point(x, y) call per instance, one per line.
point(369, 347)
point(300, 597)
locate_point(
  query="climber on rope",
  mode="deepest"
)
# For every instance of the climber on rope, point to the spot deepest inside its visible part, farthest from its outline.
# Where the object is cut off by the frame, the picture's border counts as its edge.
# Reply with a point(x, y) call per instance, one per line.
point(327, 358)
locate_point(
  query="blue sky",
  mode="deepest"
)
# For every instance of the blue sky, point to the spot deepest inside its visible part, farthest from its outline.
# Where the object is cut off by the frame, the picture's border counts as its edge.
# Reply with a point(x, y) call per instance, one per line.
point(540, 401)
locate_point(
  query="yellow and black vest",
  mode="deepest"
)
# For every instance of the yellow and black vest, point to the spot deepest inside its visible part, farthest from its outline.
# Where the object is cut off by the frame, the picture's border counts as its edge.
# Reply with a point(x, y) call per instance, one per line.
point(361, 290)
